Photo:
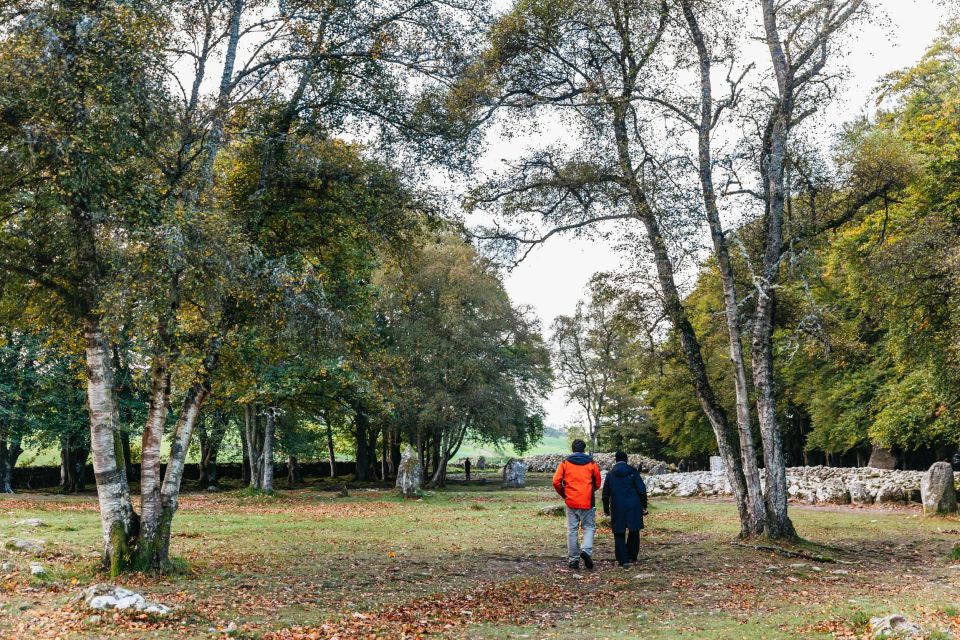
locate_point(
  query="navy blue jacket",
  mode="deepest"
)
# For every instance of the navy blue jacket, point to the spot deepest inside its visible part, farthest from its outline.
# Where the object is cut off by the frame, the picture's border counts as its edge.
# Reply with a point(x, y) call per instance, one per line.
point(624, 498)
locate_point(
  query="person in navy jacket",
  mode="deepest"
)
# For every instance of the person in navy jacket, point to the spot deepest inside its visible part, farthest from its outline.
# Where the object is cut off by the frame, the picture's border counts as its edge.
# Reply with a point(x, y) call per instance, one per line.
point(625, 501)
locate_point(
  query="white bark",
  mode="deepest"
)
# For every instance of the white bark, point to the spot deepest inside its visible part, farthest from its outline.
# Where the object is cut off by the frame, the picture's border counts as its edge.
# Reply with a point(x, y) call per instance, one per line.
point(113, 491)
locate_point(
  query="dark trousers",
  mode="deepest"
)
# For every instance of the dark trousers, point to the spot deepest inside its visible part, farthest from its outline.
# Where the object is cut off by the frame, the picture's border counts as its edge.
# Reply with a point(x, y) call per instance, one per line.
point(626, 546)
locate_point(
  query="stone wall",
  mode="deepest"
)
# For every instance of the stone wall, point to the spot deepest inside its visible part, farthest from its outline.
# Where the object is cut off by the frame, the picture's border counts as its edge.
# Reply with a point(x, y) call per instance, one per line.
point(811, 485)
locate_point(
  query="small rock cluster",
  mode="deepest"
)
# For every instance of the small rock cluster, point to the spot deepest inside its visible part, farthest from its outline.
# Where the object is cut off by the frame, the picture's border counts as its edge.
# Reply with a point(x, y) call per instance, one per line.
point(104, 597)
point(548, 463)
point(812, 485)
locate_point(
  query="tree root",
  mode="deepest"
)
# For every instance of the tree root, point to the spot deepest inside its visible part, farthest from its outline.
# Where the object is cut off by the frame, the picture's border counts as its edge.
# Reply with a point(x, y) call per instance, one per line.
point(786, 552)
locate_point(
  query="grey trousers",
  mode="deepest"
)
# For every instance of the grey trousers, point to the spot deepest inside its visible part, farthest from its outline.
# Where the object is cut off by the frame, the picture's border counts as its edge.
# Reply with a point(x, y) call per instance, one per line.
point(576, 519)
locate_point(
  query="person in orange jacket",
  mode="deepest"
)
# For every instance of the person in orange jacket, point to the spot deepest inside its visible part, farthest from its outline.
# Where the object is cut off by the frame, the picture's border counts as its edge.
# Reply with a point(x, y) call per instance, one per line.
point(577, 480)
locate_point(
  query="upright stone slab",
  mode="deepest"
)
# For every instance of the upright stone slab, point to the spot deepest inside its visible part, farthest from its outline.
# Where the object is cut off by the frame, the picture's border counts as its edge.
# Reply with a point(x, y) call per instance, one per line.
point(659, 469)
point(716, 464)
point(937, 491)
point(514, 474)
point(881, 458)
point(481, 463)
point(409, 473)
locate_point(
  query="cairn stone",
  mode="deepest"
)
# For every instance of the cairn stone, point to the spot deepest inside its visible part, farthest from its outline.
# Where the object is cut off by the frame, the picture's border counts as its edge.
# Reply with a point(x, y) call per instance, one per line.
point(514, 474)
point(409, 474)
point(859, 493)
point(891, 492)
point(833, 491)
point(937, 491)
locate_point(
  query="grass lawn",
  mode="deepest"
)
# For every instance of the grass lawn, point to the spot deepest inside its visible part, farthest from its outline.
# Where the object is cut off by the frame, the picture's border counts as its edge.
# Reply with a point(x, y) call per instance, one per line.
point(480, 562)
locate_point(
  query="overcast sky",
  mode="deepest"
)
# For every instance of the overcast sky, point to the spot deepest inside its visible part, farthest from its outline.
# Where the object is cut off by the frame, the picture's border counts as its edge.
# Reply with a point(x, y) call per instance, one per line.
point(553, 278)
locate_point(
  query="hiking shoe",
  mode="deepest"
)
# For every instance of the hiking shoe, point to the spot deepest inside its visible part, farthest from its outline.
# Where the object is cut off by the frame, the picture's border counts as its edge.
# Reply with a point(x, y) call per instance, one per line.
point(587, 560)
point(574, 564)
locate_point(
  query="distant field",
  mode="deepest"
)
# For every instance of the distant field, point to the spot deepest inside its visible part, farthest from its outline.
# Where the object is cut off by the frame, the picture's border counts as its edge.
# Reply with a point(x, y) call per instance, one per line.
point(550, 444)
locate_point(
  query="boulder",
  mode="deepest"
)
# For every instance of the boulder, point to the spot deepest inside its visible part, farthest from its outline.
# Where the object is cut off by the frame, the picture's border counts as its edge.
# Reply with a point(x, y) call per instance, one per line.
point(881, 458)
point(31, 522)
point(481, 463)
point(7, 567)
point(859, 493)
point(891, 492)
point(894, 626)
point(104, 597)
point(833, 491)
point(36, 569)
point(514, 474)
point(937, 491)
point(554, 510)
point(409, 473)
point(33, 547)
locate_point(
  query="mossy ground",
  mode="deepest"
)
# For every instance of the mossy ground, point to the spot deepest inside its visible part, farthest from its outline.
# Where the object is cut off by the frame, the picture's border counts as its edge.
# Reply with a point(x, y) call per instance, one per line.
point(478, 561)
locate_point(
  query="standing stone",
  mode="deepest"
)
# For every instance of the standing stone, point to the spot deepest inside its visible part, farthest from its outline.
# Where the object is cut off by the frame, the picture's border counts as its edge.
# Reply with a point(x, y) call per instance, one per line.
point(882, 458)
point(716, 464)
point(937, 491)
point(481, 463)
point(409, 473)
point(514, 474)
point(659, 469)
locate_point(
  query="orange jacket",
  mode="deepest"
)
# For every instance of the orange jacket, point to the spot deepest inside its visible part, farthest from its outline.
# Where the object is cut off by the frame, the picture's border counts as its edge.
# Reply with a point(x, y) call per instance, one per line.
point(576, 480)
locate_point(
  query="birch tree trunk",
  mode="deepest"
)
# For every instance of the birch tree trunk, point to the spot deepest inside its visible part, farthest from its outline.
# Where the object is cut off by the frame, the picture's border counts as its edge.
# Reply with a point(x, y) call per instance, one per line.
point(119, 522)
point(704, 126)
point(330, 450)
point(266, 483)
point(172, 479)
point(673, 307)
point(150, 480)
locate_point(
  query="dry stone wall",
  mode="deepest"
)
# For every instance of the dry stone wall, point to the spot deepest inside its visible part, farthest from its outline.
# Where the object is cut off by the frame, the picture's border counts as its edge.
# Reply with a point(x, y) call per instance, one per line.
point(811, 485)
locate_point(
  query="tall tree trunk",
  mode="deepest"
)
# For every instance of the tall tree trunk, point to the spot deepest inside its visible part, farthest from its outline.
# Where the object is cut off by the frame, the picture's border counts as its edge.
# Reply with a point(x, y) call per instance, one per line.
point(253, 445)
point(361, 425)
point(211, 439)
point(118, 519)
point(179, 447)
point(9, 454)
point(774, 160)
point(330, 451)
point(150, 480)
point(127, 455)
point(266, 483)
point(245, 452)
point(751, 471)
point(372, 449)
point(385, 456)
point(727, 445)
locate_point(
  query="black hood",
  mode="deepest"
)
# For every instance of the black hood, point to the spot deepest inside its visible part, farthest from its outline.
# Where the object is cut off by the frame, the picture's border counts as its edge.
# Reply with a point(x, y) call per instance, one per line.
point(622, 469)
point(579, 458)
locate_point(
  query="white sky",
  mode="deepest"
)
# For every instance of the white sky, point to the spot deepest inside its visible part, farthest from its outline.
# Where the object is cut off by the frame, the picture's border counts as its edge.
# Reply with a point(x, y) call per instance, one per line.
point(554, 276)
